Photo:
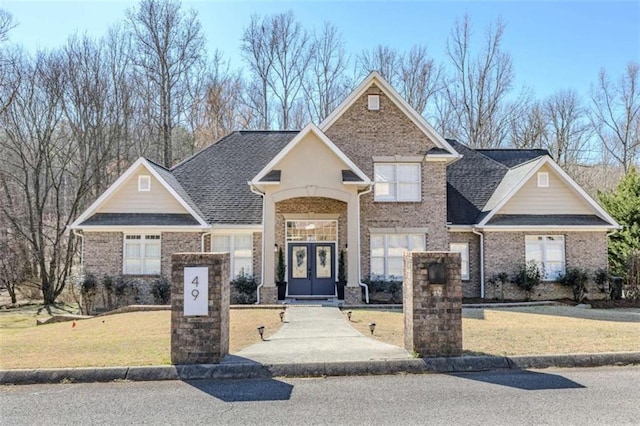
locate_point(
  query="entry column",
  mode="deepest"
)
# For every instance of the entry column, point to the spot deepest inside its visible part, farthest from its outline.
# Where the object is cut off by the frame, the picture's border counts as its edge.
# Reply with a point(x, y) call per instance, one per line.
point(199, 307)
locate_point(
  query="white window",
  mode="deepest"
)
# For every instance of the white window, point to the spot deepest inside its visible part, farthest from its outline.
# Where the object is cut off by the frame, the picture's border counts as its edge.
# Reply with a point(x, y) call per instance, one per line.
point(144, 183)
point(463, 249)
point(543, 180)
point(387, 251)
point(240, 249)
point(397, 181)
point(142, 254)
point(373, 102)
point(548, 253)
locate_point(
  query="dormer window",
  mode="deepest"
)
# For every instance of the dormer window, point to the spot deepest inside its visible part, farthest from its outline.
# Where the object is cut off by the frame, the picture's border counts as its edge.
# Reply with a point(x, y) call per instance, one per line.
point(374, 102)
point(144, 183)
point(543, 180)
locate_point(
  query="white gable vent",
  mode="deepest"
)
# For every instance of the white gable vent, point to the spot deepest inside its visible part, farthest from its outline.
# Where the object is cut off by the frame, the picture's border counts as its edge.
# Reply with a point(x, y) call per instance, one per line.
point(144, 183)
point(543, 180)
point(374, 102)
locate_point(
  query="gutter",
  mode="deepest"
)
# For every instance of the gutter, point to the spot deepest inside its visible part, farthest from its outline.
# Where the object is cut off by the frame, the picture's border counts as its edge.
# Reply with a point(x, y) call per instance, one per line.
point(81, 248)
point(257, 192)
point(366, 287)
point(204, 234)
point(475, 231)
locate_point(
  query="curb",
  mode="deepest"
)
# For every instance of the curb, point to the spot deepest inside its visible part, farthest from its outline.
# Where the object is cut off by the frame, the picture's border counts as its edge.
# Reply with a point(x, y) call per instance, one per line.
point(250, 370)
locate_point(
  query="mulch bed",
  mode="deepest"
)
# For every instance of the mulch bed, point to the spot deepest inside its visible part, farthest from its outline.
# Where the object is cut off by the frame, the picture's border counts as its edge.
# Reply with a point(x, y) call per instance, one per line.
point(596, 304)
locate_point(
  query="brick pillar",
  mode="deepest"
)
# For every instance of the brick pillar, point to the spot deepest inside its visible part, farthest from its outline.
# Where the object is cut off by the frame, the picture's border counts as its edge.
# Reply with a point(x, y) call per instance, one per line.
point(432, 311)
point(203, 338)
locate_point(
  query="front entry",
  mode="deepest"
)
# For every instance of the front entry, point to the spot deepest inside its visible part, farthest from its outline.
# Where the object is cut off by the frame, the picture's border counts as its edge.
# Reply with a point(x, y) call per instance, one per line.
point(311, 269)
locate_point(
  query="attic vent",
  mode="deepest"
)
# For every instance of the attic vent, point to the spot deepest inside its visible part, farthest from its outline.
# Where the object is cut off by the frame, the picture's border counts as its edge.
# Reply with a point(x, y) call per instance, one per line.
point(374, 102)
point(543, 180)
point(144, 183)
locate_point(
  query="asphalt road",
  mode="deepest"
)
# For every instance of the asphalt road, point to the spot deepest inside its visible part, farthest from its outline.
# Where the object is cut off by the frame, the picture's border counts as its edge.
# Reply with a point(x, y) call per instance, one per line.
point(573, 396)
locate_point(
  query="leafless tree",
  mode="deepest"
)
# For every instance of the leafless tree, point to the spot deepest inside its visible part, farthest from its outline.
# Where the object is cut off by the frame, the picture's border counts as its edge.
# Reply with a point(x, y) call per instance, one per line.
point(169, 49)
point(9, 77)
point(326, 84)
point(615, 114)
point(528, 129)
point(6, 24)
point(419, 78)
point(258, 50)
point(479, 85)
point(384, 59)
point(44, 179)
point(568, 132)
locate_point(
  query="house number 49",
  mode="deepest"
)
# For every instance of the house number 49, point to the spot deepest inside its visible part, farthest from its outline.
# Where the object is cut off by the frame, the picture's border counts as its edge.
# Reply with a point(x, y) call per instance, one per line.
point(196, 291)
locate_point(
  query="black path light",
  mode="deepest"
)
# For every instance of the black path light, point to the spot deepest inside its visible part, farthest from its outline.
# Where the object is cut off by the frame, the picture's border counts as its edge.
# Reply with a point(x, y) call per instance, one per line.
point(349, 315)
point(281, 316)
point(261, 332)
point(372, 326)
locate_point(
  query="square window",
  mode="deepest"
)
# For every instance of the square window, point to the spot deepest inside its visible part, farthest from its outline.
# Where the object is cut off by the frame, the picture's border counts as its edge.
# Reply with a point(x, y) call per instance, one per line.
point(373, 102)
point(142, 255)
point(397, 182)
point(387, 254)
point(548, 252)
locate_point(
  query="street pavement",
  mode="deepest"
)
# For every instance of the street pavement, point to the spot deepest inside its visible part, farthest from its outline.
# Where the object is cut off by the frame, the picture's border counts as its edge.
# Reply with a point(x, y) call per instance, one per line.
point(594, 396)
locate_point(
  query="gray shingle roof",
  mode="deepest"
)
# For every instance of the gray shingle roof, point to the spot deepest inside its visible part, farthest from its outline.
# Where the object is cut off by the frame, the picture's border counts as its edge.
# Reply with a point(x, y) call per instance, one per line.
point(216, 177)
point(350, 176)
point(547, 220)
point(140, 219)
point(513, 157)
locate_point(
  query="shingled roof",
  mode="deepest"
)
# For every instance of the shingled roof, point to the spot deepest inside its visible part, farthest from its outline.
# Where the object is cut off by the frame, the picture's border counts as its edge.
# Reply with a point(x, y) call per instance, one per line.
point(473, 180)
point(216, 177)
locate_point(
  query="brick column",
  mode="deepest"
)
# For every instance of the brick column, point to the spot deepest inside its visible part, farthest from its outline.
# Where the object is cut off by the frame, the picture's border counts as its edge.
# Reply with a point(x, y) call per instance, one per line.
point(202, 339)
point(432, 310)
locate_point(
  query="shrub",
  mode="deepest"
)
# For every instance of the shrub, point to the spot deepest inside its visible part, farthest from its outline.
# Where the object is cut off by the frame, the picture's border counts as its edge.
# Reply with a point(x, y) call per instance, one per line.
point(161, 291)
point(125, 291)
point(243, 289)
point(280, 268)
point(384, 291)
point(601, 278)
point(107, 291)
point(632, 281)
point(499, 280)
point(528, 277)
point(88, 292)
point(577, 279)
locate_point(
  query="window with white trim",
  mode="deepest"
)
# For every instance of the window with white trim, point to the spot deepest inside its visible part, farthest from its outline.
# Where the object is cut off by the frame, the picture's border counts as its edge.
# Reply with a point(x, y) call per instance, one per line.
point(240, 249)
point(463, 249)
point(142, 254)
point(548, 252)
point(397, 181)
point(387, 251)
point(144, 183)
point(543, 180)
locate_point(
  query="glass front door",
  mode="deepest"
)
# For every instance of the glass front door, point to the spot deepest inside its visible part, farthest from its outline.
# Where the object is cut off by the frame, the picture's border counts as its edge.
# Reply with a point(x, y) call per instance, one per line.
point(311, 269)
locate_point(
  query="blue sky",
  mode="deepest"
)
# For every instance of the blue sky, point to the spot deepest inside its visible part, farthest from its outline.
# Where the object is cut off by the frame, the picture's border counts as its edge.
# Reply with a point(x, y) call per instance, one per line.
point(554, 44)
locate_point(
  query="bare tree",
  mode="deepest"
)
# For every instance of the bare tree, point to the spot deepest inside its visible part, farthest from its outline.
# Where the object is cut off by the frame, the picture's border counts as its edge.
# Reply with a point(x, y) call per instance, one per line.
point(9, 77)
point(419, 78)
point(528, 129)
point(615, 114)
point(258, 50)
point(384, 59)
point(44, 179)
point(169, 49)
point(326, 84)
point(479, 85)
point(568, 132)
point(6, 24)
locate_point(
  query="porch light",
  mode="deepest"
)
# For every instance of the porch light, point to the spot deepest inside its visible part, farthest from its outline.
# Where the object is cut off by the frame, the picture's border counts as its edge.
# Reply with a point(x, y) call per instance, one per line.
point(372, 326)
point(275, 248)
point(261, 332)
point(346, 247)
point(349, 315)
point(281, 316)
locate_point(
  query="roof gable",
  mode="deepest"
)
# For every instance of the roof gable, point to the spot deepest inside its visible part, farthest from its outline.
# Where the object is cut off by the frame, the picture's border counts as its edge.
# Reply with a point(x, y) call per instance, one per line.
point(375, 78)
point(311, 133)
point(109, 199)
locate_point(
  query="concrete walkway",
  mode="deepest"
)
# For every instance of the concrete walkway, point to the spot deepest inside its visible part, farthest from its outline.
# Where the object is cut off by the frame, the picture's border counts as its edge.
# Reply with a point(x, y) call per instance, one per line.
point(317, 334)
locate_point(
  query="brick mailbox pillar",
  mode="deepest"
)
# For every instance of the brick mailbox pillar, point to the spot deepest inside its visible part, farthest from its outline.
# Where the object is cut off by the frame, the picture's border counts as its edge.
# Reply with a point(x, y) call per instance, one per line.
point(432, 303)
point(199, 307)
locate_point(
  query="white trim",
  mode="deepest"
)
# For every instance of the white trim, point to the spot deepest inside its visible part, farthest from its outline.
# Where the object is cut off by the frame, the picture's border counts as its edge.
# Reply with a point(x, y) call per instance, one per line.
point(309, 128)
point(465, 275)
point(150, 228)
point(375, 78)
point(567, 180)
point(240, 228)
point(398, 158)
point(120, 181)
point(556, 228)
point(311, 216)
point(460, 228)
point(399, 230)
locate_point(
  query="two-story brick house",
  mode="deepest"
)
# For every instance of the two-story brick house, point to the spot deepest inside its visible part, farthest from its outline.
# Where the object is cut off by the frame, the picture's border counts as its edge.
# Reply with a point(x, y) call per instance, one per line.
point(372, 180)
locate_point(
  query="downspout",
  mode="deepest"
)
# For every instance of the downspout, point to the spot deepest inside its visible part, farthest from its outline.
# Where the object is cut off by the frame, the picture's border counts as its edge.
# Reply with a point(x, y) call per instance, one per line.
point(366, 287)
point(81, 248)
point(474, 230)
point(257, 192)
point(204, 234)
